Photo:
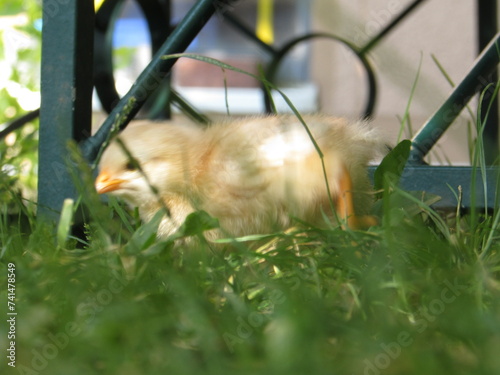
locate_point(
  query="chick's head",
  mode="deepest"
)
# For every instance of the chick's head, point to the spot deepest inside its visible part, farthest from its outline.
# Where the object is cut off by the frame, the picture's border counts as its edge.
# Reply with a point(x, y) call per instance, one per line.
point(150, 160)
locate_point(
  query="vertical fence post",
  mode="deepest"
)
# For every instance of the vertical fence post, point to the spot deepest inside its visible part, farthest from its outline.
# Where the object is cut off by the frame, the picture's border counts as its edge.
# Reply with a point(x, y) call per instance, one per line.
point(66, 96)
point(487, 28)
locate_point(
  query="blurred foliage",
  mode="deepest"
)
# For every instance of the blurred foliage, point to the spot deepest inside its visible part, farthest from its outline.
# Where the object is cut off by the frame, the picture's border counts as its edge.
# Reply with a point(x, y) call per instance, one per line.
point(20, 54)
point(407, 297)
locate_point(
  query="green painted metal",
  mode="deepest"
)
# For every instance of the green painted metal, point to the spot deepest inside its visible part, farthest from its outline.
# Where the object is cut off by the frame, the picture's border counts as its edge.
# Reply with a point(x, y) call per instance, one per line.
point(434, 128)
point(66, 97)
point(248, 32)
point(463, 187)
point(365, 62)
point(389, 27)
point(157, 15)
point(360, 52)
point(18, 122)
point(155, 73)
point(104, 81)
point(488, 27)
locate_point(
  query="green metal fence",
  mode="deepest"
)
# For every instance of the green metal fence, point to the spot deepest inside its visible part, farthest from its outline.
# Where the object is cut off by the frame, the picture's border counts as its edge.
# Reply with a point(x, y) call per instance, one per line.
point(71, 59)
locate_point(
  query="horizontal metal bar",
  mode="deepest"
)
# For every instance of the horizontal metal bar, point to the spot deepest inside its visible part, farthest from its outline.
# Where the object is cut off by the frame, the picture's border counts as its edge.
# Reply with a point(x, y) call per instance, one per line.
point(445, 181)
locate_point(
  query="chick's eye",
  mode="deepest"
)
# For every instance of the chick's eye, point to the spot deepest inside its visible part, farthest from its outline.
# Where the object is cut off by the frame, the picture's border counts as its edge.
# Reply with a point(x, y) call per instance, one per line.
point(130, 166)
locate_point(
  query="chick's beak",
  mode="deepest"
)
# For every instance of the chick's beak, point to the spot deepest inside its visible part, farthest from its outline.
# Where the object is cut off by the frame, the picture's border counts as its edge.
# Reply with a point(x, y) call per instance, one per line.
point(105, 183)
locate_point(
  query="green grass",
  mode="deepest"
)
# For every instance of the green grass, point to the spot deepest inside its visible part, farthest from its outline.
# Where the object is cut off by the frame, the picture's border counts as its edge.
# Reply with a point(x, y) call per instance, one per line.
point(416, 295)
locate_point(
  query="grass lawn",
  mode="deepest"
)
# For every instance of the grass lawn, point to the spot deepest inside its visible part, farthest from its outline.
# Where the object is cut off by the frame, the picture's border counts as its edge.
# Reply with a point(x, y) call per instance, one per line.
point(417, 294)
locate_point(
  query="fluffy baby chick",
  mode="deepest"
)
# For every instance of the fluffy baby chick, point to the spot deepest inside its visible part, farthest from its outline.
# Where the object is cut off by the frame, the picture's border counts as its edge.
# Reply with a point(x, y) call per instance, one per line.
point(253, 174)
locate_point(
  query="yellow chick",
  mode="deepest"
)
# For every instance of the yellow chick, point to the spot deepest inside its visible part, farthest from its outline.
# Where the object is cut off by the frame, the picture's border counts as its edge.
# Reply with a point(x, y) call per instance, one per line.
point(253, 174)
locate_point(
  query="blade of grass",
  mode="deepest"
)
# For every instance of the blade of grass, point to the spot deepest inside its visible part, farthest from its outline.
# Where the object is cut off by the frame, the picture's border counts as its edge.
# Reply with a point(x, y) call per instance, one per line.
point(226, 94)
point(121, 213)
point(491, 236)
point(479, 156)
point(186, 108)
point(436, 218)
point(137, 165)
point(65, 220)
point(406, 117)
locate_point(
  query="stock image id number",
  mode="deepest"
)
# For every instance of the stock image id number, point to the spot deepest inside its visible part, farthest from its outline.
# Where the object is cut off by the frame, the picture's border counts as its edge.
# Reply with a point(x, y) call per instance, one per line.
point(11, 287)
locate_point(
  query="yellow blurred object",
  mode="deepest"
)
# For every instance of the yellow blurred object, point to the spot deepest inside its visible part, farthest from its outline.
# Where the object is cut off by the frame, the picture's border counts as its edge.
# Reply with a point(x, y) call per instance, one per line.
point(265, 26)
point(253, 174)
point(97, 4)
